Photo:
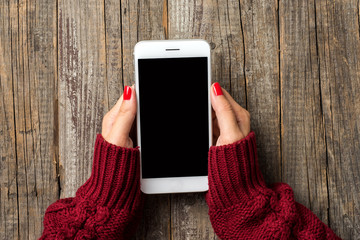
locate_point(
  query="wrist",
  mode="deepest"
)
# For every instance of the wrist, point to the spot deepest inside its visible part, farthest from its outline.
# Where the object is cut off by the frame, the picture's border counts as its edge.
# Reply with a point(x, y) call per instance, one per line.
point(115, 177)
point(234, 174)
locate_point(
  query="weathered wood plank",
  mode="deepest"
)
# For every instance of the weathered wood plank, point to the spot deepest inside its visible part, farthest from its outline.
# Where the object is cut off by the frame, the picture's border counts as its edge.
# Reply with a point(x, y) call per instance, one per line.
point(9, 222)
point(218, 22)
point(303, 133)
point(28, 106)
point(155, 223)
point(113, 79)
point(303, 100)
point(141, 20)
point(189, 217)
point(82, 67)
point(145, 20)
point(259, 20)
point(339, 50)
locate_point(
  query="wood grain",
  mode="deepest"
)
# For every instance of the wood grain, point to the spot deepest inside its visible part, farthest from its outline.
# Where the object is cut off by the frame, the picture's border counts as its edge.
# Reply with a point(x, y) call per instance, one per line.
point(142, 20)
point(293, 64)
point(156, 221)
point(28, 105)
point(114, 48)
point(189, 217)
point(259, 20)
point(82, 67)
point(303, 133)
point(145, 20)
point(9, 216)
point(339, 51)
point(218, 22)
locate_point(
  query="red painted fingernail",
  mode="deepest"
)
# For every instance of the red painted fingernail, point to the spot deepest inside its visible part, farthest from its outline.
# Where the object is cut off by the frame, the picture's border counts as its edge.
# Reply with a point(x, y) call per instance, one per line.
point(217, 89)
point(127, 93)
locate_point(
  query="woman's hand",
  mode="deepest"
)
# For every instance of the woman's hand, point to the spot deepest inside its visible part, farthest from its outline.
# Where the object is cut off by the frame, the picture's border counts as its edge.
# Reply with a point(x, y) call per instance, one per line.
point(118, 121)
point(231, 122)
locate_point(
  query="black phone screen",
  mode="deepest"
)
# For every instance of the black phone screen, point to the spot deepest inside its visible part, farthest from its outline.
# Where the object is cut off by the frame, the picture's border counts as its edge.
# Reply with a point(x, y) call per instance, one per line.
point(174, 116)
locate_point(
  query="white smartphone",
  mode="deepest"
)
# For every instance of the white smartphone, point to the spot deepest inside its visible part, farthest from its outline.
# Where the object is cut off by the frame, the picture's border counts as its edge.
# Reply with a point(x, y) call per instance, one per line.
point(174, 128)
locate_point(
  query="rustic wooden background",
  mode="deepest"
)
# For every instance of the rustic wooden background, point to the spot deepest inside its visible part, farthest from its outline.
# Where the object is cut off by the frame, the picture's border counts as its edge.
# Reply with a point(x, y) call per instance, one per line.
point(293, 64)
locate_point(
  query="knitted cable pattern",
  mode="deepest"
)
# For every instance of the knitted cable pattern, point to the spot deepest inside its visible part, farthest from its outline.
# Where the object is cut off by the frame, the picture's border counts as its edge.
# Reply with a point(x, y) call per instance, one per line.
point(107, 206)
point(241, 206)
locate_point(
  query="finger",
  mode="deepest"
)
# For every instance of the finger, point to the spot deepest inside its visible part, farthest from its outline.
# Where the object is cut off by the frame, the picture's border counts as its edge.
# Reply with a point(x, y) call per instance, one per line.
point(110, 117)
point(119, 134)
point(215, 125)
point(216, 131)
point(225, 115)
point(116, 107)
point(241, 114)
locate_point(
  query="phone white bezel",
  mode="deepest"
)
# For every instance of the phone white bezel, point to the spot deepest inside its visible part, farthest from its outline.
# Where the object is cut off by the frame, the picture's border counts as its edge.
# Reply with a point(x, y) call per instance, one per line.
point(172, 49)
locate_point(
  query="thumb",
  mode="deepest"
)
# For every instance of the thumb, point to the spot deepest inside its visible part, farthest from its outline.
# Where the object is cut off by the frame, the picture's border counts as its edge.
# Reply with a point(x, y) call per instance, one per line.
point(229, 128)
point(119, 134)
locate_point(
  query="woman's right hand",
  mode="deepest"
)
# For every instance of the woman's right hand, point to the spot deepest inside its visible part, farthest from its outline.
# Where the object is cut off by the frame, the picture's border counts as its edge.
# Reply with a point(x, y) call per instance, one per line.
point(231, 122)
point(117, 123)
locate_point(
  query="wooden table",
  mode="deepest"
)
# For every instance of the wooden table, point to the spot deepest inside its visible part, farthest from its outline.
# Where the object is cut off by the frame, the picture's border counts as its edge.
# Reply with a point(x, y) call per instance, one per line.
point(295, 65)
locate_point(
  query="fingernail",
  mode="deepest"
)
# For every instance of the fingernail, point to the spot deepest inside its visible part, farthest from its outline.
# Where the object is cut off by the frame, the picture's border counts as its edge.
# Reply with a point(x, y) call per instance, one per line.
point(217, 89)
point(127, 93)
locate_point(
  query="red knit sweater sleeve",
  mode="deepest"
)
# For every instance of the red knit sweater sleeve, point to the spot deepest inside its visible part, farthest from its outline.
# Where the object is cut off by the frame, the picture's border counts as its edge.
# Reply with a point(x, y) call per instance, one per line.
point(241, 206)
point(107, 206)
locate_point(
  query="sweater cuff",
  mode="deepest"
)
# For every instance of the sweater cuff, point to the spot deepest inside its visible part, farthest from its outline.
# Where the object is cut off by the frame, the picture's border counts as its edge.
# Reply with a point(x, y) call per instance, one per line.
point(115, 179)
point(234, 174)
